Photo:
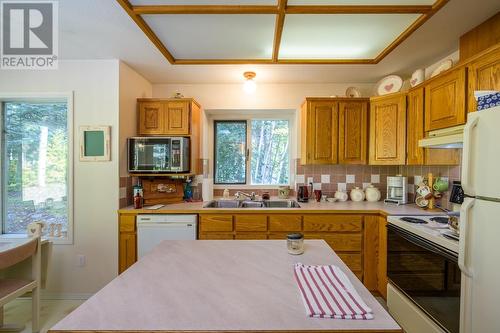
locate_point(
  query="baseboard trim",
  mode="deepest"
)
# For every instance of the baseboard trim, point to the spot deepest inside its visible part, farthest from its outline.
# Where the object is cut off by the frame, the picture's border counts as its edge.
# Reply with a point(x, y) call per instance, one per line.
point(65, 296)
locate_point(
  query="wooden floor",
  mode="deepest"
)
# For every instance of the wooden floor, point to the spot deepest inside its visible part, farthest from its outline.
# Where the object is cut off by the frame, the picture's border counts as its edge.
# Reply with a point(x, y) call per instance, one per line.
point(19, 312)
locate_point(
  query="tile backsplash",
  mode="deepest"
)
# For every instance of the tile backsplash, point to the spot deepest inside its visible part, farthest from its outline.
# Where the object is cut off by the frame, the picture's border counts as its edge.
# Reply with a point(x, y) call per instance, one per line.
point(330, 178)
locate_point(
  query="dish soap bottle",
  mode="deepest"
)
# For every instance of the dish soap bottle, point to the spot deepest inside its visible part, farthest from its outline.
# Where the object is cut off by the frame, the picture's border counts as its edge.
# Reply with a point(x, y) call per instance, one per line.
point(188, 191)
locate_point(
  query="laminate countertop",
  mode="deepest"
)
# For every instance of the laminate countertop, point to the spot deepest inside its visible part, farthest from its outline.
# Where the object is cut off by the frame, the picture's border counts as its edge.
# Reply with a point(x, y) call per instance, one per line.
point(208, 286)
point(363, 207)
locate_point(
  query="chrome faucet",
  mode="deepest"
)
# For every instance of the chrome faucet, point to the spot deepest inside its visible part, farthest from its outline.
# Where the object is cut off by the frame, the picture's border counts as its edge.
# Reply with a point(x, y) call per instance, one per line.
point(251, 196)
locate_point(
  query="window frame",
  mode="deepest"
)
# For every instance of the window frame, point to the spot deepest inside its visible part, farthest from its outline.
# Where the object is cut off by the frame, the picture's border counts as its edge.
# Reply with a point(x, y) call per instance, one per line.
point(68, 98)
point(288, 115)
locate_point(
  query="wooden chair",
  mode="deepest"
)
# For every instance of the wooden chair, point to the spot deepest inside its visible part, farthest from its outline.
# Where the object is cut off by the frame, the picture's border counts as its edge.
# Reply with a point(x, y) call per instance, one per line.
point(11, 289)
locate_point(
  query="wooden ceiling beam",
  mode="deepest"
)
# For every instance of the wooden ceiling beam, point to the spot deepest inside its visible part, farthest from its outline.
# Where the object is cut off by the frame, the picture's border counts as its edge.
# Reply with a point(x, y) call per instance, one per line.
point(147, 30)
point(222, 61)
point(361, 9)
point(411, 29)
point(278, 28)
point(204, 9)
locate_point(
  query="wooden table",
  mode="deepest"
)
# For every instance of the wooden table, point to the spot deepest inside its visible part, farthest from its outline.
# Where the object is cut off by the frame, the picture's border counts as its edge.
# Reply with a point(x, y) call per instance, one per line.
point(207, 286)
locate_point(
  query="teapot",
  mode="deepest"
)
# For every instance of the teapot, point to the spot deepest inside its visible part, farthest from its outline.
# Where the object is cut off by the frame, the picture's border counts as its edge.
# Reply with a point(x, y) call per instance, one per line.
point(341, 195)
point(357, 194)
point(372, 193)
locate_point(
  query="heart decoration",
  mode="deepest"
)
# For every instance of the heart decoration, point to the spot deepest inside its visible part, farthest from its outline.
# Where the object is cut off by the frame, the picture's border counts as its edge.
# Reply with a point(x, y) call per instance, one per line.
point(413, 82)
point(32, 230)
point(389, 87)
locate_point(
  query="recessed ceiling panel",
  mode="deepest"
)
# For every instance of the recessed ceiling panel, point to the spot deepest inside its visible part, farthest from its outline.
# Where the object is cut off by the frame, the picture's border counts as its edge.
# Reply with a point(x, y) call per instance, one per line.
point(360, 2)
point(215, 36)
point(202, 2)
point(345, 36)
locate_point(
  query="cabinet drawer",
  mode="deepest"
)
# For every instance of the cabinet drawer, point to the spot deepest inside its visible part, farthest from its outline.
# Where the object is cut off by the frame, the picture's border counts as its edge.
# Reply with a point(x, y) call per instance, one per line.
point(250, 223)
point(250, 235)
point(339, 242)
point(285, 223)
point(352, 260)
point(127, 223)
point(216, 223)
point(216, 235)
point(333, 223)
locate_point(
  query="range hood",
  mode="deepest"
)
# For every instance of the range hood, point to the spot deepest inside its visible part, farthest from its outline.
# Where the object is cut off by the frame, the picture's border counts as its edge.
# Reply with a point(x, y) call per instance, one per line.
point(451, 137)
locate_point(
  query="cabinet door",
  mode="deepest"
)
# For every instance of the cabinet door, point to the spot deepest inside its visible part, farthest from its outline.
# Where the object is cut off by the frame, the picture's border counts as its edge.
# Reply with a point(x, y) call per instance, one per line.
point(484, 74)
point(151, 118)
point(353, 132)
point(388, 130)
point(322, 132)
point(177, 118)
point(415, 129)
point(445, 101)
point(127, 251)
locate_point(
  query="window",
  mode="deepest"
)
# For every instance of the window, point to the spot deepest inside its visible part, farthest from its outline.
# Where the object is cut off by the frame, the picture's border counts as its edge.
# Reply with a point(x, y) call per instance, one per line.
point(35, 167)
point(255, 150)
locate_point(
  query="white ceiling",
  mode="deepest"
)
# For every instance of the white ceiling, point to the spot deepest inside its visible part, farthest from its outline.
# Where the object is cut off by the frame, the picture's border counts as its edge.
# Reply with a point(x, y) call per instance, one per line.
point(100, 29)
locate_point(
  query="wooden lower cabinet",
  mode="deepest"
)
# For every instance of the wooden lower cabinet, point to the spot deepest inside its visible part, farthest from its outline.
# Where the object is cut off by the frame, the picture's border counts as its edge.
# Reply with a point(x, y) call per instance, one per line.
point(354, 237)
point(127, 242)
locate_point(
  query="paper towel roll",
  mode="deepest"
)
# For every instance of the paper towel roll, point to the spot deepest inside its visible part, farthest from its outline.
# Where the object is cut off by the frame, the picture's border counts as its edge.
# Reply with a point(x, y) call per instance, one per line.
point(208, 189)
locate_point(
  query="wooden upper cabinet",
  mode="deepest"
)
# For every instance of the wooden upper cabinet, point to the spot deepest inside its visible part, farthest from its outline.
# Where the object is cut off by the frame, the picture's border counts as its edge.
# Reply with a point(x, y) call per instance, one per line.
point(415, 129)
point(167, 116)
point(445, 100)
point(319, 132)
point(484, 74)
point(177, 118)
point(353, 132)
point(388, 130)
point(151, 118)
point(416, 155)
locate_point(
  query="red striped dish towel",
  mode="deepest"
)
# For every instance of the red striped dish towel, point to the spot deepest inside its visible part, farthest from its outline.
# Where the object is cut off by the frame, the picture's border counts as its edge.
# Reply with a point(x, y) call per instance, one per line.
point(328, 293)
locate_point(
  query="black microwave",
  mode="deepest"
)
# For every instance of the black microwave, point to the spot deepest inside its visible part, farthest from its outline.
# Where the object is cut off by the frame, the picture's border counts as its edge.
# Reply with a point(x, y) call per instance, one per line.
point(158, 154)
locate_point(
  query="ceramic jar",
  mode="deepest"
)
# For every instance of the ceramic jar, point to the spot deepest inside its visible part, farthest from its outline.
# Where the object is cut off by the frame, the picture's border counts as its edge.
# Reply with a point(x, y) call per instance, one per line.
point(357, 194)
point(341, 195)
point(372, 193)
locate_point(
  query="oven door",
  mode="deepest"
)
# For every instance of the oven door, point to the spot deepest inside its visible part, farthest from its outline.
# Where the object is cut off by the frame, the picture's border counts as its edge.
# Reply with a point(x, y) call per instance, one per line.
point(149, 155)
point(427, 274)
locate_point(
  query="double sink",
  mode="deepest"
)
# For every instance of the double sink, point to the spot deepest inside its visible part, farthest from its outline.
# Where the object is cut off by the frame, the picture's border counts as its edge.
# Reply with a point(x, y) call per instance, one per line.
point(252, 204)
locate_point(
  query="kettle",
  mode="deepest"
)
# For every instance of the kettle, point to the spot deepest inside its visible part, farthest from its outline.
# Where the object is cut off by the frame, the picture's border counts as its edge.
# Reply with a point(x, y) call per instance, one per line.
point(302, 193)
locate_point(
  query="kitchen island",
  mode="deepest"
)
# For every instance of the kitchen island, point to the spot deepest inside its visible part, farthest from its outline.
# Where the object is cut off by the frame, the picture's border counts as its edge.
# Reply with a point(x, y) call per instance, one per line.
point(207, 286)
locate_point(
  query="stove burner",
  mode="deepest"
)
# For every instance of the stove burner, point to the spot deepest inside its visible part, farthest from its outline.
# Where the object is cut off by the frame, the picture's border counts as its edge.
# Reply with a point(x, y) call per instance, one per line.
point(440, 219)
point(413, 220)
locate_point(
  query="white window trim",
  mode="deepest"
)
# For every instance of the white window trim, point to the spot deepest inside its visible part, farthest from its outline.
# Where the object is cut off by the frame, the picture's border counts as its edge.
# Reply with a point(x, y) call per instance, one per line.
point(242, 114)
point(68, 97)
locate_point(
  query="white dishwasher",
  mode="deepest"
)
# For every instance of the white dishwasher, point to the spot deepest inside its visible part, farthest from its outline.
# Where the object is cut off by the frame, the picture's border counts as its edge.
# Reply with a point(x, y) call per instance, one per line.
point(152, 229)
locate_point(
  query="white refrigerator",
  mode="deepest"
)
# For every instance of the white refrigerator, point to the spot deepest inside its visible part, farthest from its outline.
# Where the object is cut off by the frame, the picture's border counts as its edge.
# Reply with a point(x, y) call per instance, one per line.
point(479, 245)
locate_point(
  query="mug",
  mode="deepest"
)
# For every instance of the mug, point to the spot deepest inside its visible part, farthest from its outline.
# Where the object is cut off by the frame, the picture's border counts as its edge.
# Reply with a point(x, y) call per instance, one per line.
point(424, 191)
point(440, 185)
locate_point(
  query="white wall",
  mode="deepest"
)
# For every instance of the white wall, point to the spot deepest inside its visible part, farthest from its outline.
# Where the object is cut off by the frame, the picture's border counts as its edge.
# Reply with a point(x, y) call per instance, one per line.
point(95, 88)
point(132, 86)
point(267, 97)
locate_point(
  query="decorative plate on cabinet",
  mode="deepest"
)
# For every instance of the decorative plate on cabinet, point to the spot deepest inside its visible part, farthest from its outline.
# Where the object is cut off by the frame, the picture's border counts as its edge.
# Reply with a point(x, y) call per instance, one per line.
point(352, 92)
point(417, 77)
point(443, 66)
point(388, 85)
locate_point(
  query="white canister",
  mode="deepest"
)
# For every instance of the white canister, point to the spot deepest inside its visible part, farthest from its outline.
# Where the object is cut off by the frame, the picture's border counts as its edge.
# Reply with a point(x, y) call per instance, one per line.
point(357, 194)
point(372, 193)
point(341, 195)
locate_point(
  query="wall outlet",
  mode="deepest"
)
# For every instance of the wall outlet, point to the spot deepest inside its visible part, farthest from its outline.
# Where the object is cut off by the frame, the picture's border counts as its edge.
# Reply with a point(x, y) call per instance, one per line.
point(81, 260)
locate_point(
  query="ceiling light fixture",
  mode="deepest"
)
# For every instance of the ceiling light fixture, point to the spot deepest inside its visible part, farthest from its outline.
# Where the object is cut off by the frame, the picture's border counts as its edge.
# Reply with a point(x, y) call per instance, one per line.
point(249, 85)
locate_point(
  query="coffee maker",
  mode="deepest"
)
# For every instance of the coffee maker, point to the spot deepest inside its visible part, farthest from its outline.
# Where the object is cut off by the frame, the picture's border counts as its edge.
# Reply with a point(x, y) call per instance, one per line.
point(397, 190)
point(302, 193)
